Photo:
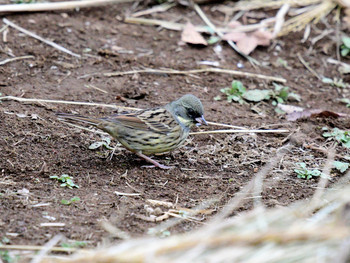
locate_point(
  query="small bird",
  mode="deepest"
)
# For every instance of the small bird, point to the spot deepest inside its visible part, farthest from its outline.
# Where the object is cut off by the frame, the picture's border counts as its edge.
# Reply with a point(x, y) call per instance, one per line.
point(151, 131)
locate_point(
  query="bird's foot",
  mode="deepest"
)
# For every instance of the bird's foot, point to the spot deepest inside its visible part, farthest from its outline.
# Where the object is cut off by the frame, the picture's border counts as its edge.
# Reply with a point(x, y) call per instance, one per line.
point(161, 166)
point(155, 163)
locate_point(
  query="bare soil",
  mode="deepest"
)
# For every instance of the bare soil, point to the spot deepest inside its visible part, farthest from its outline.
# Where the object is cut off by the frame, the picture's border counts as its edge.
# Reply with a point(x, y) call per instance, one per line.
point(35, 145)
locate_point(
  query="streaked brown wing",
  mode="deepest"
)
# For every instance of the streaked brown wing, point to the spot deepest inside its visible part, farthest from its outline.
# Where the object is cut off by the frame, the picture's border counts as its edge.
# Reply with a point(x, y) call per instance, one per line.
point(156, 120)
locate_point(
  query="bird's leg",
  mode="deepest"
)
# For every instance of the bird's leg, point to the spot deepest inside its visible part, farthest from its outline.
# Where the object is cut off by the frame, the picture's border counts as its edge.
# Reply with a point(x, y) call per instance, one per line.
point(155, 163)
point(112, 153)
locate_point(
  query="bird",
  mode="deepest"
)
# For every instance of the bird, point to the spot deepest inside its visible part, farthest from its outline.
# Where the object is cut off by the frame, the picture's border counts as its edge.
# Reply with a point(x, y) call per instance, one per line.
point(150, 131)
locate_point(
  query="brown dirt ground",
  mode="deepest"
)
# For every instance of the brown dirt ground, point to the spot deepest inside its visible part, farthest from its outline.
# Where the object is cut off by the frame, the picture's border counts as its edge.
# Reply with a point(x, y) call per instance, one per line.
point(207, 166)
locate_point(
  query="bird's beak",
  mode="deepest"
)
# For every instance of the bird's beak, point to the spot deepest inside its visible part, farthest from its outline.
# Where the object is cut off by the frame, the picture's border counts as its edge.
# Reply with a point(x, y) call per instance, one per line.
point(200, 121)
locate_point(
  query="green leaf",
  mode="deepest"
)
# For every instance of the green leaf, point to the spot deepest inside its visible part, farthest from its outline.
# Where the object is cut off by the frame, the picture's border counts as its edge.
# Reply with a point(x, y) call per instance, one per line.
point(341, 166)
point(302, 165)
point(346, 144)
point(344, 51)
point(284, 93)
point(95, 145)
point(213, 39)
point(238, 86)
point(218, 97)
point(327, 80)
point(257, 95)
point(279, 100)
point(346, 41)
point(106, 139)
point(344, 100)
point(65, 202)
point(294, 96)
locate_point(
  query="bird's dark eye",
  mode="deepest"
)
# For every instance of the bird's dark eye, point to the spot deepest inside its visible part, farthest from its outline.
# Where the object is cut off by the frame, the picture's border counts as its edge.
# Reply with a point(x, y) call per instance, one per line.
point(191, 113)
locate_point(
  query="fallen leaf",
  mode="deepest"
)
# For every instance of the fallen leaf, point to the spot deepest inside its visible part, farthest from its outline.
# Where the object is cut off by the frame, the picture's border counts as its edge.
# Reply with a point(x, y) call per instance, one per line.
point(263, 37)
point(247, 44)
point(191, 36)
point(234, 36)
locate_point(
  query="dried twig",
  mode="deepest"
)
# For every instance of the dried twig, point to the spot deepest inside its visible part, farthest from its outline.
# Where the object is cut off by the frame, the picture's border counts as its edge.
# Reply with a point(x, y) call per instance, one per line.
point(240, 131)
point(202, 29)
point(65, 5)
point(8, 60)
point(67, 102)
point(313, 72)
point(158, 8)
point(37, 248)
point(194, 71)
point(48, 42)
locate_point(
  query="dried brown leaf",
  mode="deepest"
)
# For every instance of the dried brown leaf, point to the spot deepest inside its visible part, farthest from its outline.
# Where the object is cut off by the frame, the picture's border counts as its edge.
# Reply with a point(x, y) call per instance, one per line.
point(191, 36)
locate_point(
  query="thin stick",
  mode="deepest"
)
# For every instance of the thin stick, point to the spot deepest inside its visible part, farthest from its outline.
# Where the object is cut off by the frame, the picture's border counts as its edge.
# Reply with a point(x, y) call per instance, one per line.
point(65, 5)
point(67, 102)
point(158, 8)
point(96, 88)
point(226, 125)
point(313, 72)
point(240, 131)
point(23, 247)
point(194, 71)
point(213, 27)
point(48, 42)
point(47, 248)
point(127, 194)
point(202, 29)
point(5, 61)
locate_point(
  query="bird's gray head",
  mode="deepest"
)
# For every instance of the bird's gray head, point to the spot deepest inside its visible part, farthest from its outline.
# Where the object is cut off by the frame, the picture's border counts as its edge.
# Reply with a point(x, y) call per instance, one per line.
point(189, 110)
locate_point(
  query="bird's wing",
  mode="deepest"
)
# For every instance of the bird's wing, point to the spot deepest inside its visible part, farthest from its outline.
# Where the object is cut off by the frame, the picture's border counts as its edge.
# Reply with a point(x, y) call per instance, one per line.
point(156, 120)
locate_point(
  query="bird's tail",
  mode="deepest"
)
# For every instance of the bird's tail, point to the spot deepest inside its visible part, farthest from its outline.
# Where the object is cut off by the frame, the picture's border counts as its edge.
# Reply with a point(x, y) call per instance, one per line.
point(78, 118)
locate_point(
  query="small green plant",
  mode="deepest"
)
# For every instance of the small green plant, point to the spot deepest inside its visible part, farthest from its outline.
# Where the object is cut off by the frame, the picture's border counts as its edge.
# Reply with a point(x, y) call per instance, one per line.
point(72, 200)
point(105, 142)
point(345, 47)
point(239, 93)
point(282, 94)
point(5, 255)
point(304, 173)
point(338, 135)
point(66, 181)
point(335, 82)
point(341, 166)
point(234, 93)
point(345, 101)
point(76, 244)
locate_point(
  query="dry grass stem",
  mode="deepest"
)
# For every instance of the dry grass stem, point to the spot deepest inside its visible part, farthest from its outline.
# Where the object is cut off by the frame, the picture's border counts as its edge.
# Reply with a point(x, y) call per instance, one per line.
point(67, 102)
point(126, 194)
point(202, 29)
point(48, 42)
point(314, 11)
point(96, 88)
point(158, 8)
point(306, 65)
point(47, 248)
point(240, 131)
point(5, 61)
point(54, 6)
point(195, 71)
point(37, 248)
point(226, 125)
